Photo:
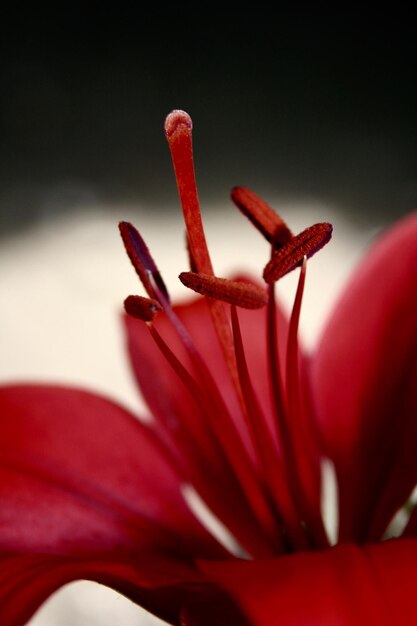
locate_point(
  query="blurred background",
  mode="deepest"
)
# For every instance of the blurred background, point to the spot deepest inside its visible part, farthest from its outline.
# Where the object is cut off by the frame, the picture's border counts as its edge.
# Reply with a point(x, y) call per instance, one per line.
point(314, 110)
point(305, 104)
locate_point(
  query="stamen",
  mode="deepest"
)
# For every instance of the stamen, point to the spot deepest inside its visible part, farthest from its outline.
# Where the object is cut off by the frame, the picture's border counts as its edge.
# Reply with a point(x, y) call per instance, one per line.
point(141, 259)
point(302, 476)
point(142, 308)
point(305, 244)
point(200, 434)
point(298, 537)
point(240, 294)
point(220, 421)
point(265, 446)
point(292, 378)
point(275, 373)
point(269, 223)
point(261, 437)
point(281, 494)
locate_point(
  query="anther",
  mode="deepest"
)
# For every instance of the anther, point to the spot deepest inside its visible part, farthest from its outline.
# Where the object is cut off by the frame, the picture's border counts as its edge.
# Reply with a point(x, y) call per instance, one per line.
point(142, 308)
point(141, 259)
point(305, 244)
point(239, 293)
point(265, 219)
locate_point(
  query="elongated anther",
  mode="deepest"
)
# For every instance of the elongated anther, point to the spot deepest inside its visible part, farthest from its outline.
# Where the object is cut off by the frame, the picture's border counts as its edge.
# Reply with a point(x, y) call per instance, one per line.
point(239, 293)
point(265, 219)
point(305, 244)
point(141, 259)
point(142, 308)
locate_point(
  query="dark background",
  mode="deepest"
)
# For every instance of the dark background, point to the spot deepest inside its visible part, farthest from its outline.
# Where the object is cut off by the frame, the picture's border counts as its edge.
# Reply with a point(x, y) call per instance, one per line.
point(298, 105)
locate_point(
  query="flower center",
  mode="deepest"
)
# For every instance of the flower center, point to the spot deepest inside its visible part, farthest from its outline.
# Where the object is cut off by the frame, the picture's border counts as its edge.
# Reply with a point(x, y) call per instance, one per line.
point(275, 469)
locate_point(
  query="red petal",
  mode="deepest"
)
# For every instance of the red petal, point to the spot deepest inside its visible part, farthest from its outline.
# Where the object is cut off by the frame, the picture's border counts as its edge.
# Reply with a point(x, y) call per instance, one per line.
point(210, 607)
point(82, 478)
point(26, 581)
point(364, 380)
point(344, 586)
point(86, 460)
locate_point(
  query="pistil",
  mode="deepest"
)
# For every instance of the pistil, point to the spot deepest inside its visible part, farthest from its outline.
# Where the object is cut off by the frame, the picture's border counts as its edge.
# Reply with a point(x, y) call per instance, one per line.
point(178, 131)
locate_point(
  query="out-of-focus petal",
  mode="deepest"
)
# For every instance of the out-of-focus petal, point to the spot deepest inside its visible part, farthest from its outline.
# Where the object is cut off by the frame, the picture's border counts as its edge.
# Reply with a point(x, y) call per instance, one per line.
point(74, 462)
point(161, 586)
point(212, 606)
point(364, 381)
point(344, 586)
point(82, 480)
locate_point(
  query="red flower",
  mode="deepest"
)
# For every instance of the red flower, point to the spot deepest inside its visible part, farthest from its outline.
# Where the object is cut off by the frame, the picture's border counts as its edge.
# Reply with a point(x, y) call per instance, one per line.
point(213, 512)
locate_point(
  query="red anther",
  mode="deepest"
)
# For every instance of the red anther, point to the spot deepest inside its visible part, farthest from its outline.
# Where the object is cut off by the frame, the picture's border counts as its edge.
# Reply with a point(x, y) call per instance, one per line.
point(142, 308)
point(305, 244)
point(265, 219)
point(141, 259)
point(234, 292)
point(269, 223)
